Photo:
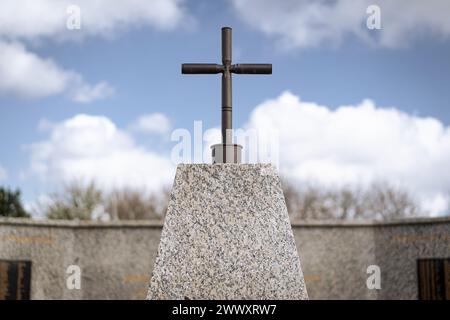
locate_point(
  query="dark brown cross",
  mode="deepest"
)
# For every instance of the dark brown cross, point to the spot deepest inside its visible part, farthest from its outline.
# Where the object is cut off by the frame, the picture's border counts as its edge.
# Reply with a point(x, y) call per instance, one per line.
point(226, 68)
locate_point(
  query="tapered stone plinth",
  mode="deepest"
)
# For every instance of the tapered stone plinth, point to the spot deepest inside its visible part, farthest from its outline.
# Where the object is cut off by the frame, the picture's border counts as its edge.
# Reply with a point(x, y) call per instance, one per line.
point(227, 235)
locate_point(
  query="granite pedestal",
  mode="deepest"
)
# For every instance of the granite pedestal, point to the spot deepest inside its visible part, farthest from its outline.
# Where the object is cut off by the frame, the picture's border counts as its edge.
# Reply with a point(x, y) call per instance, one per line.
point(227, 235)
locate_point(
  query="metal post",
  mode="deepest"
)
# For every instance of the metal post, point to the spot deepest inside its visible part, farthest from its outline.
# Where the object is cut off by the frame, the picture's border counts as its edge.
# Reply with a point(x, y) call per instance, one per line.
point(227, 120)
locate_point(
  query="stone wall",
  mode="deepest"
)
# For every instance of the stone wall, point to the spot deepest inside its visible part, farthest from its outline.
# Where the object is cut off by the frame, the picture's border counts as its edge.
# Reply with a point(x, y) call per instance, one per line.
point(116, 258)
point(335, 256)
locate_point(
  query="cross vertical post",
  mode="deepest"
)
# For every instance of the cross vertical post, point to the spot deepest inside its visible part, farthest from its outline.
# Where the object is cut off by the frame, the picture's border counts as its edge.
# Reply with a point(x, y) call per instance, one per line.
point(227, 151)
point(227, 119)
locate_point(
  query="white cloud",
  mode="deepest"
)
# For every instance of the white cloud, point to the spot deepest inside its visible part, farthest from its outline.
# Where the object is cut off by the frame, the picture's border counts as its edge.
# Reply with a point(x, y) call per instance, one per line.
point(359, 144)
point(36, 207)
point(25, 74)
point(86, 93)
point(45, 125)
point(153, 123)
point(3, 174)
point(33, 19)
point(93, 148)
point(308, 23)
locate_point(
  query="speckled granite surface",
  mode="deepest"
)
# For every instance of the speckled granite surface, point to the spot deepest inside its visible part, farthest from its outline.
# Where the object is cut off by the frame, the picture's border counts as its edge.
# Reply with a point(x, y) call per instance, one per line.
point(227, 235)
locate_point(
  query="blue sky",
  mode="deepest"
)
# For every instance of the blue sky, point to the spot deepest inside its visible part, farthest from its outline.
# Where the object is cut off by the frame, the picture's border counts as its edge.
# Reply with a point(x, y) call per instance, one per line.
point(404, 66)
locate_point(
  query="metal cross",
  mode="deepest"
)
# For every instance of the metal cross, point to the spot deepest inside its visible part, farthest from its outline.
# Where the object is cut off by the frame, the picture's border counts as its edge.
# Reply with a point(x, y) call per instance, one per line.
point(229, 152)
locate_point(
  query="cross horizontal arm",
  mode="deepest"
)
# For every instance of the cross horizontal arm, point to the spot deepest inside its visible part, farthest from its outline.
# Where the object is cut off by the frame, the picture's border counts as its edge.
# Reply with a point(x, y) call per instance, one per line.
point(201, 68)
point(255, 68)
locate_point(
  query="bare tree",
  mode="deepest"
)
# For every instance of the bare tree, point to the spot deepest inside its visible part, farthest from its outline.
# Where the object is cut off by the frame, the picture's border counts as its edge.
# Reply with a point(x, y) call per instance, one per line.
point(78, 201)
point(290, 195)
point(75, 202)
point(379, 201)
point(130, 204)
point(387, 202)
